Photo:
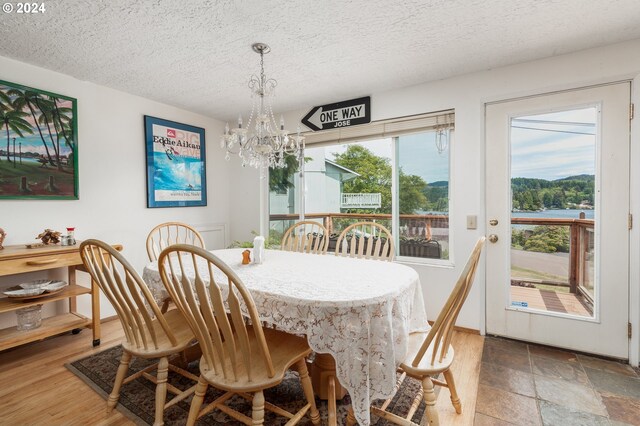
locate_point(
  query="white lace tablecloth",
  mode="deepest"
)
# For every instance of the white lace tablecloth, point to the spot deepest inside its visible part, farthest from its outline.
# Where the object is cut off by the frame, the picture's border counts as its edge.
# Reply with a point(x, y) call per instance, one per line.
point(360, 311)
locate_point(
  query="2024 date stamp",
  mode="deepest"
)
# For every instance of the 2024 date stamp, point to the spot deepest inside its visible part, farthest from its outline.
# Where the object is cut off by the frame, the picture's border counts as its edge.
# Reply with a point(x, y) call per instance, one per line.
point(24, 8)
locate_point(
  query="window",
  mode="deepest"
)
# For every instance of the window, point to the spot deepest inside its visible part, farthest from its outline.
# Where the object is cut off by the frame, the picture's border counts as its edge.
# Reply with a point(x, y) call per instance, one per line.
point(423, 196)
point(397, 175)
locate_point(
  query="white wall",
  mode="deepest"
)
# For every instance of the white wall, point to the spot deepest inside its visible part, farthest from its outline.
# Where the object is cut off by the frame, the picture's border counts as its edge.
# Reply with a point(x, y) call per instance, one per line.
point(467, 95)
point(111, 154)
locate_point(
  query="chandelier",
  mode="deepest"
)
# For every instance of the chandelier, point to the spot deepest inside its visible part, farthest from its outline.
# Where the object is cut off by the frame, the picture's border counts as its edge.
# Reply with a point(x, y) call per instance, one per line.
point(261, 143)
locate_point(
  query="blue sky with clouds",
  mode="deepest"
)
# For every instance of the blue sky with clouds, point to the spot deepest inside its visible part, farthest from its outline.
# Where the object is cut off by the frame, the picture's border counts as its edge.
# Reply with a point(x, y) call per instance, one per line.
point(552, 146)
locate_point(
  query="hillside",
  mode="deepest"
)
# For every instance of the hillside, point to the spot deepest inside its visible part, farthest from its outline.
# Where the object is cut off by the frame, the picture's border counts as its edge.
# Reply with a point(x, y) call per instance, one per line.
point(529, 194)
point(535, 194)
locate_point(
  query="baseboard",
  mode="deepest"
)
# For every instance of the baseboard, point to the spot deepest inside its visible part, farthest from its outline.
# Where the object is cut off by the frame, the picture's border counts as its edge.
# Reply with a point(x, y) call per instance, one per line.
point(462, 329)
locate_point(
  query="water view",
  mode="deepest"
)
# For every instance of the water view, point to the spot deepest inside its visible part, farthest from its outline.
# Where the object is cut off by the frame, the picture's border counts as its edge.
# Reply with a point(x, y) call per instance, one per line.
point(557, 213)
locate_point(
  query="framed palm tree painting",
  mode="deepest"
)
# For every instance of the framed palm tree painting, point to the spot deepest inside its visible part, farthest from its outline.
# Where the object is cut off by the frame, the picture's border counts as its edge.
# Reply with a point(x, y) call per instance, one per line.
point(38, 144)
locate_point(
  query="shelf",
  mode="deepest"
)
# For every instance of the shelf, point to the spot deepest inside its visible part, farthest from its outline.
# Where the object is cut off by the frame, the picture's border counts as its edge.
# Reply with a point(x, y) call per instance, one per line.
point(8, 304)
point(18, 259)
point(10, 337)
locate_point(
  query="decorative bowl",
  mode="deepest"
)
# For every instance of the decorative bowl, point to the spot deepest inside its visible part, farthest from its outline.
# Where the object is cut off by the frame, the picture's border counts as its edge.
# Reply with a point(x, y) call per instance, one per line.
point(24, 292)
point(54, 286)
point(35, 284)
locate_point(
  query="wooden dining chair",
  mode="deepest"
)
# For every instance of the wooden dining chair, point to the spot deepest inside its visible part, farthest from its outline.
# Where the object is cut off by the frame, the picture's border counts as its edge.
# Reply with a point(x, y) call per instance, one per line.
point(165, 234)
point(368, 240)
point(149, 334)
point(306, 236)
point(238, 355)
point(430, 353)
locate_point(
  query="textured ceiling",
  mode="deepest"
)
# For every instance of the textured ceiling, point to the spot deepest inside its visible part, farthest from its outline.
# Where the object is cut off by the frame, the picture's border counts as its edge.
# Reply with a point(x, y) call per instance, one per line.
point(197, 55)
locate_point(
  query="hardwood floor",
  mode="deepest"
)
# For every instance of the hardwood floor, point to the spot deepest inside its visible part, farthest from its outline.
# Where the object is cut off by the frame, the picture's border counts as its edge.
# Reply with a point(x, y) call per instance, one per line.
point(37, 389)
point(466, 373)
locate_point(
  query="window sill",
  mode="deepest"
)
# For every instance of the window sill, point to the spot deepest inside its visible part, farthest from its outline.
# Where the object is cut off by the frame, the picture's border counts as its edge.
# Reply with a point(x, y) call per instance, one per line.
point(417, 261)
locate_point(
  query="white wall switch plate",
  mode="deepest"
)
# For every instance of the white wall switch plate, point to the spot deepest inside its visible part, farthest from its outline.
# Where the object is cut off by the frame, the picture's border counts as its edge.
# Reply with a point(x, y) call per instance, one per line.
point(472, 222)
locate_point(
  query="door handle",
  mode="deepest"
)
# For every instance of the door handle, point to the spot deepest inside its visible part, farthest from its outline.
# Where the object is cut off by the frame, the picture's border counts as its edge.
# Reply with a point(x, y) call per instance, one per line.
point(493, 238)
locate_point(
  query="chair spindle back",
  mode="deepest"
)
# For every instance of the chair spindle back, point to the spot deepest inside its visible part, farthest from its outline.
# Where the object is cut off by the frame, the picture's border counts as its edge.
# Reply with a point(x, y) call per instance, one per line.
point(306, 236)
point(215, 311)
point(368, 240)
point(129, 295)
point(168, 233)
point(442, 330)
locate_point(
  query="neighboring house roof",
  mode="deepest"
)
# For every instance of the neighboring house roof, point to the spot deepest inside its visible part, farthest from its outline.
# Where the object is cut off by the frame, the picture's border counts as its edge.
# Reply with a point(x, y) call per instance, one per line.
point(343, 172)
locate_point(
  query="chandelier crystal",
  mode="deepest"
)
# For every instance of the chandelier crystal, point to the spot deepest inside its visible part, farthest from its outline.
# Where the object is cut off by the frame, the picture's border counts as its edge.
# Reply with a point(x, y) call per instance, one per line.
point(261, 143)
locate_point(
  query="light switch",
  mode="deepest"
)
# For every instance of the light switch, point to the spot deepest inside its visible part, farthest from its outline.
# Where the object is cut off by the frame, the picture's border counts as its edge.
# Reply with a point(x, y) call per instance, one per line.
point(472, 222)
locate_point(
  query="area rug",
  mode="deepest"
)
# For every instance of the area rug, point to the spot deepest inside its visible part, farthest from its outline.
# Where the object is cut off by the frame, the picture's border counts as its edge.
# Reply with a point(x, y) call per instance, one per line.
point(137, 397)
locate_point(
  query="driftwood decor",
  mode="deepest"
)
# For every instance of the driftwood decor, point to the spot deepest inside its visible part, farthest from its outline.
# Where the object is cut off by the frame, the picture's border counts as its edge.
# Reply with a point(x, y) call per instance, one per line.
point(49, 236)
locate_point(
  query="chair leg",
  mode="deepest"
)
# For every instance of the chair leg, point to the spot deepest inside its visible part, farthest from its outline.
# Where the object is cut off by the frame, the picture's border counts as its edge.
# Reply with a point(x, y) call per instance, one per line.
point(112, 401)
point(161, 390)
point(351, 418)
point(196, 402)
point(430, 399)
point(455, 399)
point(314, 415)
point(257, 410)
point(332, 417)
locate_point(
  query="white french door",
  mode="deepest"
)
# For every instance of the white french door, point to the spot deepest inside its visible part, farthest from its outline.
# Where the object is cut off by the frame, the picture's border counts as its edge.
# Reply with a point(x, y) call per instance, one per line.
point(557, 206)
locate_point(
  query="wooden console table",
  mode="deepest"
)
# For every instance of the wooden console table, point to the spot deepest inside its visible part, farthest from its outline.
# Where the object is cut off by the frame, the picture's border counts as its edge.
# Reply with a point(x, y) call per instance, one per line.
point(19, 259)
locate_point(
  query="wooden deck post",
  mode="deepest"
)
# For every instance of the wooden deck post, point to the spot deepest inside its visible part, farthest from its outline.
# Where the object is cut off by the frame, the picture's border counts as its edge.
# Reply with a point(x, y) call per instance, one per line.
point(574, 254)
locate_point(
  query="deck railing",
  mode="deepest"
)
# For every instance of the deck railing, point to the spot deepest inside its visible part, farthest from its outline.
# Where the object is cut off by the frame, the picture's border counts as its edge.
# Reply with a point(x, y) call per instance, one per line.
point(423, 236)
point(412, 225)
point(435, 227)
point(581, 249)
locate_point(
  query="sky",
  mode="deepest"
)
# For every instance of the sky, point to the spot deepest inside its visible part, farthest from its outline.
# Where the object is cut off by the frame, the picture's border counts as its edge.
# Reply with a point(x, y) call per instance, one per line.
point(417, 155)
point(553, 145)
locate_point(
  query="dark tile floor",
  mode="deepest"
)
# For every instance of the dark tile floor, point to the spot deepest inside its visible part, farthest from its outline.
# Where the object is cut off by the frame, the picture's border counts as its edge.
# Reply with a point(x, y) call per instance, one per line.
point(526, 384)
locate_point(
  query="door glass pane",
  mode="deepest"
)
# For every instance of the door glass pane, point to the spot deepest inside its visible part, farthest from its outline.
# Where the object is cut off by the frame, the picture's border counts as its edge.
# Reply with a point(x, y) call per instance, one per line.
point(553, 175)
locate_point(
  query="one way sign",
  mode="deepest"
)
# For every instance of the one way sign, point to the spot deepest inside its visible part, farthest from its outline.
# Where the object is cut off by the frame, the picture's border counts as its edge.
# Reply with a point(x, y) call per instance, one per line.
point(339, 114)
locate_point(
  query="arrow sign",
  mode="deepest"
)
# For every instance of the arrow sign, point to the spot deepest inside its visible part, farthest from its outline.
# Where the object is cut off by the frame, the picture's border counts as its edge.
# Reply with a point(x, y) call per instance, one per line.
point(339, 114)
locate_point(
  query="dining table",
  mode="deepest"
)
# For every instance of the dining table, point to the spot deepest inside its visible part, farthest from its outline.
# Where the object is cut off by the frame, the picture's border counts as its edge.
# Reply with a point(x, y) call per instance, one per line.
point(357, 311)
